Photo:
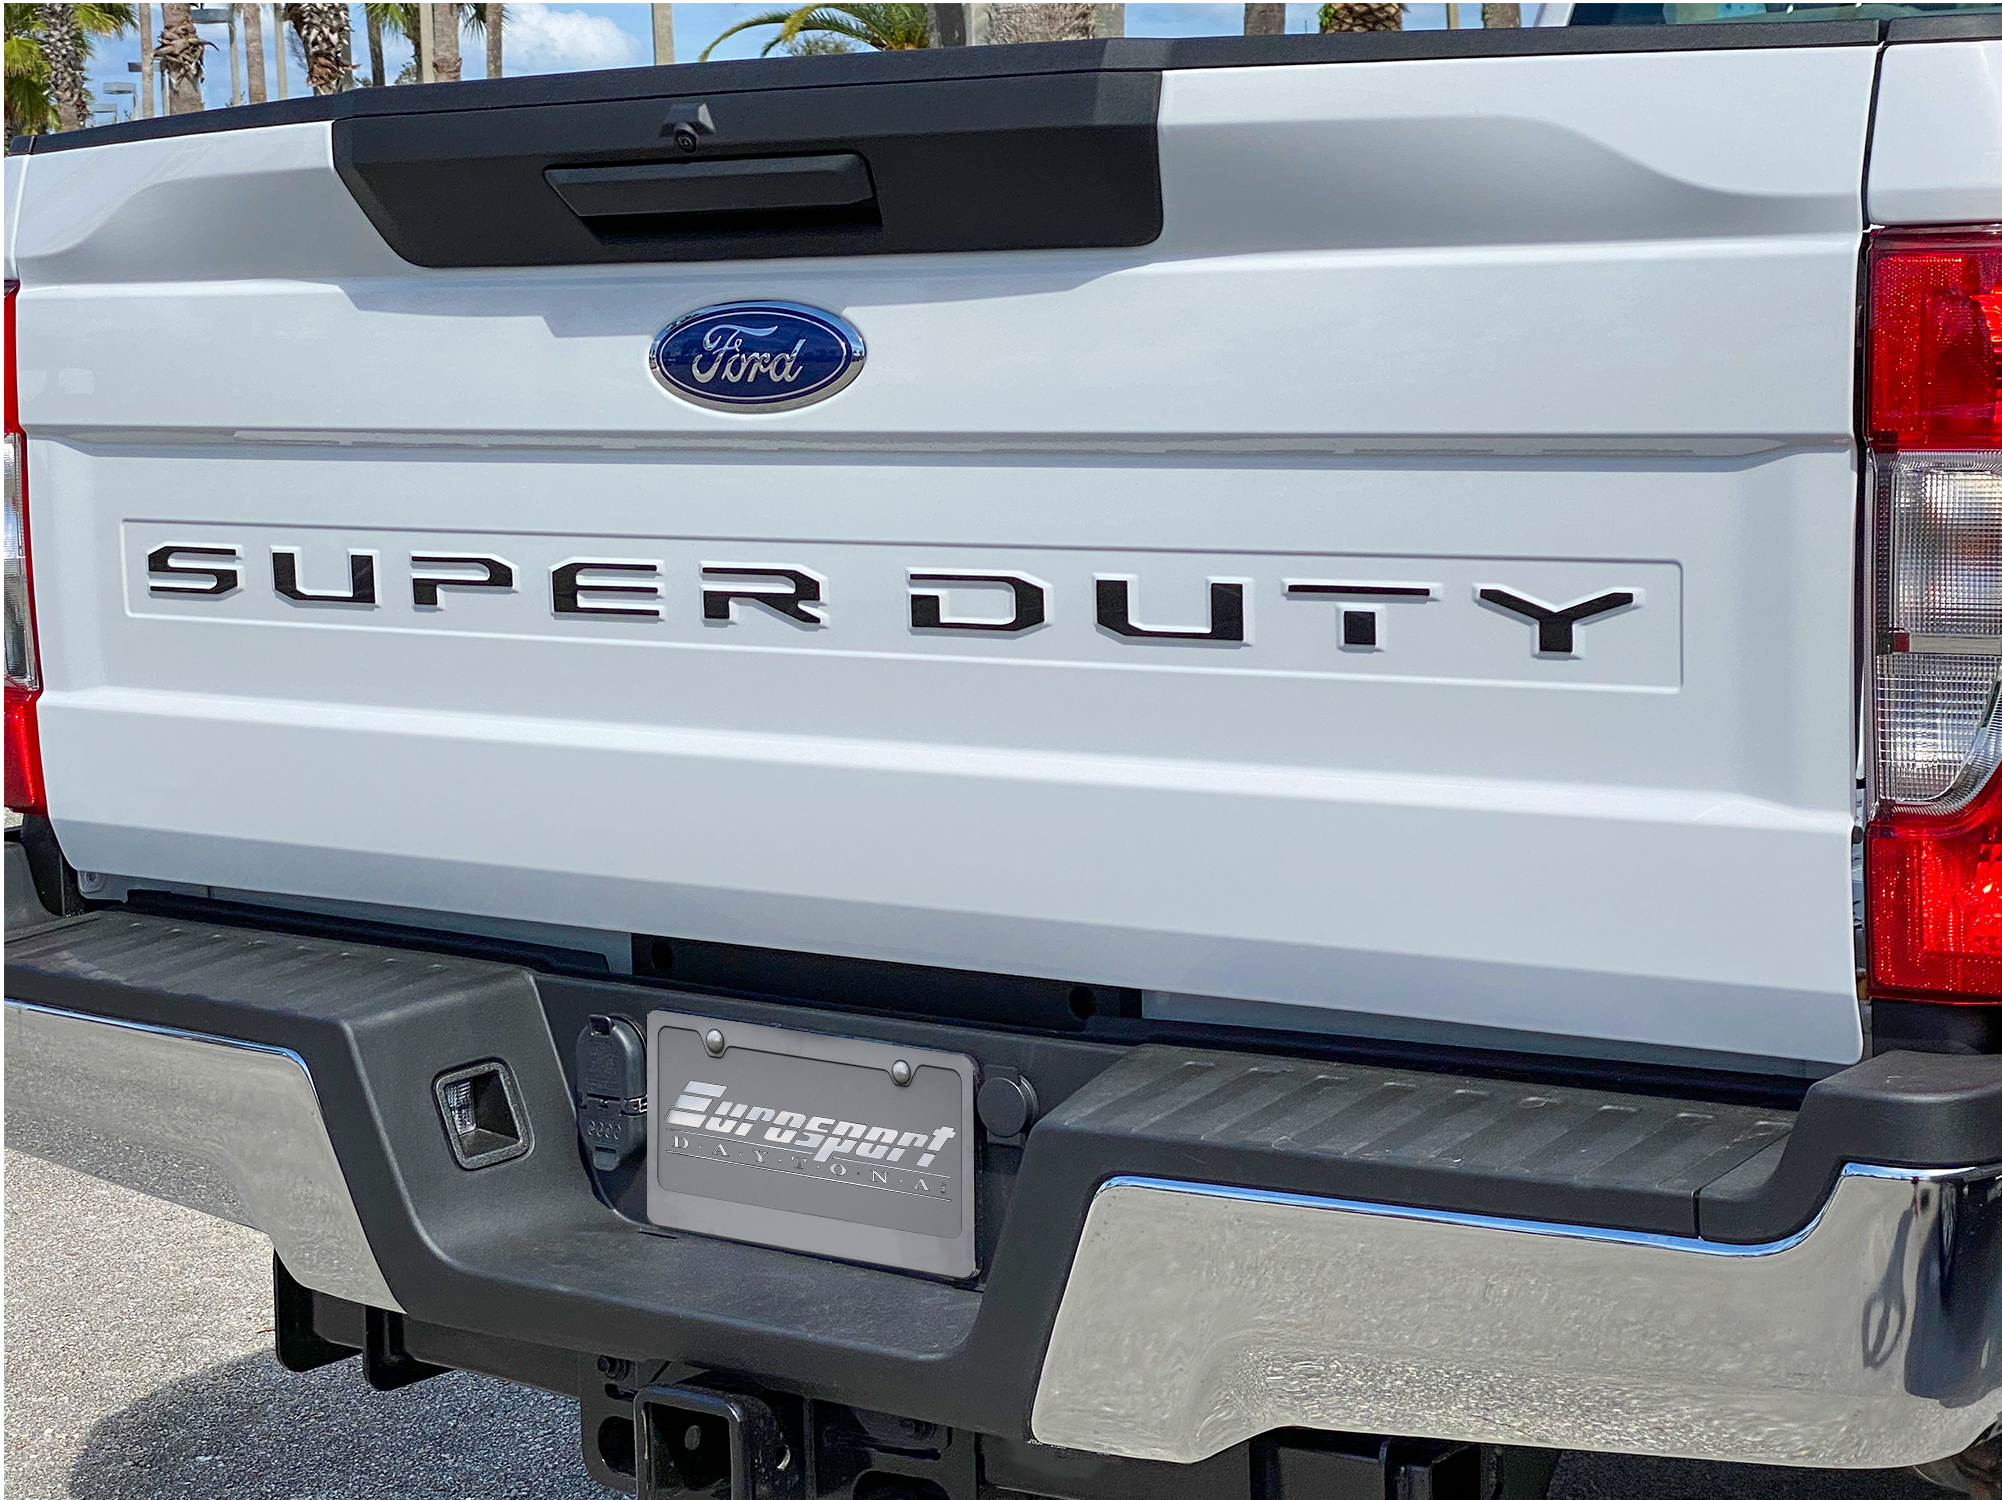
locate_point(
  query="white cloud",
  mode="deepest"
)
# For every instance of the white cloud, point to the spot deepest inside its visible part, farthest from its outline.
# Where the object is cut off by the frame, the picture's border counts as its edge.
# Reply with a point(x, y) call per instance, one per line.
point(543, 39)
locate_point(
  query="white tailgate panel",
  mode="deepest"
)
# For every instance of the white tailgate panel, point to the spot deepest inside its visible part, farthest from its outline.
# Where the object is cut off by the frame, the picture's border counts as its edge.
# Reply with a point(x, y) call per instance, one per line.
point(1565, 327)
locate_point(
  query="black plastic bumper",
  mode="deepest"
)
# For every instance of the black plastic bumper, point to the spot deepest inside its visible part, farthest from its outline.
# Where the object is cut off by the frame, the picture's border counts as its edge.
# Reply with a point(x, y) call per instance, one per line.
point(524, 1250)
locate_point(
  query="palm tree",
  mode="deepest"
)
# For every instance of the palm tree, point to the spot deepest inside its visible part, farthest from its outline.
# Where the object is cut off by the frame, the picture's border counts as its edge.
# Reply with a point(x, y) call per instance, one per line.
point(373, 15)
point(323, 37)
point(887, 28)
point(1362, 18)
point(1060, 21)
point(253, 52)
point(179, 55)
point(446, 61)
point(392, 18)
point(62, 44)
point(48, 48)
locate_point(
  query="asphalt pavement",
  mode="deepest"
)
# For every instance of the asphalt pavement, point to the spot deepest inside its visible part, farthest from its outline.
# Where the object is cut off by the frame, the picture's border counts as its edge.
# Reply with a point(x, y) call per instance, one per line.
point(139, 1367)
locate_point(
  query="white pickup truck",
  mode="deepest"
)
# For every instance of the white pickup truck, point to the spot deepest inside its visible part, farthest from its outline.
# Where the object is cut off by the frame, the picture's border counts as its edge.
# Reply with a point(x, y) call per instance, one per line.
point(1129, 770)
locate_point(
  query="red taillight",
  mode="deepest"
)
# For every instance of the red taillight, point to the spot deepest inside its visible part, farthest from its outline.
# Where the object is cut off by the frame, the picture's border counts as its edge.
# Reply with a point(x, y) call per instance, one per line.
point(24, 672)
point(24, 753)
point(1935, 902)
point(1933, 852)
point(1936, 341)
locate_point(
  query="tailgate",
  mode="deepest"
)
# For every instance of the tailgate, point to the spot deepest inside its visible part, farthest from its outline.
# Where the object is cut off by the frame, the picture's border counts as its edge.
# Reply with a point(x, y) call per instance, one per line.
point(1420, 494)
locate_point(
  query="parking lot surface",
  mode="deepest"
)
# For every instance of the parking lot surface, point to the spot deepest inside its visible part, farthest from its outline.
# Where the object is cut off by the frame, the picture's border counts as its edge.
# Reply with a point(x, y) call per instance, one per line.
point(139, 1367)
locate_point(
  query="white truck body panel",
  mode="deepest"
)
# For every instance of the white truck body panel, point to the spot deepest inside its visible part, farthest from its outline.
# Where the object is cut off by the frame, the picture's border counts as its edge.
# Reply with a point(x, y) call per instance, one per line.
point(1936, 155)
point(1558, 324)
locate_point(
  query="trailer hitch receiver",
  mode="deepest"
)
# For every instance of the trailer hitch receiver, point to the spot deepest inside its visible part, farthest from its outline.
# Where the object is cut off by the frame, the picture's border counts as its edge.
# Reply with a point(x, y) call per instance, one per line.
point(713, 1445)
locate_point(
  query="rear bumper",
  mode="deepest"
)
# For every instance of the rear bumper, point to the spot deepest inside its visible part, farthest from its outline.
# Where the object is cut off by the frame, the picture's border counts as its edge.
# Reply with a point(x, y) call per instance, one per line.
point(223, 1126)
point(1192, 1255)
point(1196, 1317)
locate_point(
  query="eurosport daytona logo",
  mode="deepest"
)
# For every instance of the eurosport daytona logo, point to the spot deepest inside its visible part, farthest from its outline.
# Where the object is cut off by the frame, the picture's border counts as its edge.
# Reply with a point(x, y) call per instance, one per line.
point(708, 1125)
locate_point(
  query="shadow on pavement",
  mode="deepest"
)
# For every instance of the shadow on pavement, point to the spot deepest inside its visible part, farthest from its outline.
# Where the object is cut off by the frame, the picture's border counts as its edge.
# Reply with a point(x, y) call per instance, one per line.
point(248, 1430)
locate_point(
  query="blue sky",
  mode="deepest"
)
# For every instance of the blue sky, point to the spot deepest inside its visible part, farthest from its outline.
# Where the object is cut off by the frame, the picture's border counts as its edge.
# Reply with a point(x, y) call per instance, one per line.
point(557, 38)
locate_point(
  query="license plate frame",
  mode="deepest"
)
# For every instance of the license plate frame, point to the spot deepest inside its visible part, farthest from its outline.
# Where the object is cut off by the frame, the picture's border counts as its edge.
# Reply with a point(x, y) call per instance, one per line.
point(889, 1178)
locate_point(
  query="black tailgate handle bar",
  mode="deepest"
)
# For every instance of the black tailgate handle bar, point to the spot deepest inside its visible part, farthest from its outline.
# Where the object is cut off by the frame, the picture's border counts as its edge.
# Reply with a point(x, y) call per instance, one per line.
point(832, 184)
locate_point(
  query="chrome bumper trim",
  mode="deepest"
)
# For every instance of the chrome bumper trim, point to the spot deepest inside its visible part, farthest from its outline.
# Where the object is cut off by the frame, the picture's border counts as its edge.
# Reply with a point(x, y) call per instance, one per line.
point(226, 1127)
point(1196, 1317)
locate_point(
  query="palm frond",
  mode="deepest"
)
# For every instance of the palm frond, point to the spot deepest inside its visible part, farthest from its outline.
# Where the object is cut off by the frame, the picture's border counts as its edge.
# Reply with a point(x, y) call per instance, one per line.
point(895, 26)
point(828, 26)
point(106, 20)
point(31, 105)
point(886, 28)
point(474, 18)
point(91, 20)
point(820, 44)
point(768, 18)
point(395, 19)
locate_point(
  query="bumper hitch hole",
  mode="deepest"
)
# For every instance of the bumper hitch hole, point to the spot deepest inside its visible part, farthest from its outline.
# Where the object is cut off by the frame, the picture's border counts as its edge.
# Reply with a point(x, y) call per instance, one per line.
point(485, 1123)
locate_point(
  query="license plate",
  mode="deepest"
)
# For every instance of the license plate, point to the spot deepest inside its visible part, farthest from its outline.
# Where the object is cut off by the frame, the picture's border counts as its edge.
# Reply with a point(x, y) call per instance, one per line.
point(843, 1147)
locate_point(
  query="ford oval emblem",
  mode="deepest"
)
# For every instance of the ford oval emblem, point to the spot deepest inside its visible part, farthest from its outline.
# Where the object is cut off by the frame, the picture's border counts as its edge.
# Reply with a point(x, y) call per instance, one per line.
point(757, 356)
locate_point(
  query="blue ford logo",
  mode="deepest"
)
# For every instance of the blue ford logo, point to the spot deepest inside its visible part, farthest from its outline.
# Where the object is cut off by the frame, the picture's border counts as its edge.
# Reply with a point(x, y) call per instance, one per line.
point(757, 356)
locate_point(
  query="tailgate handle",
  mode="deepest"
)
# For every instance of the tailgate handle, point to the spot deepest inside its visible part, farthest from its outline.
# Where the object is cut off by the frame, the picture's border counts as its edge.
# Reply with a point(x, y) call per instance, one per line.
point(836, 185)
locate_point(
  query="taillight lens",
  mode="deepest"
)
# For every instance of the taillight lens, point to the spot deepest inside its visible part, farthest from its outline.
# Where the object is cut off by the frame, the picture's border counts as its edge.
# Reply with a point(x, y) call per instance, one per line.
point(1936, 341)
point(1936, 903)
point(1933, 854)
point(24, 674)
